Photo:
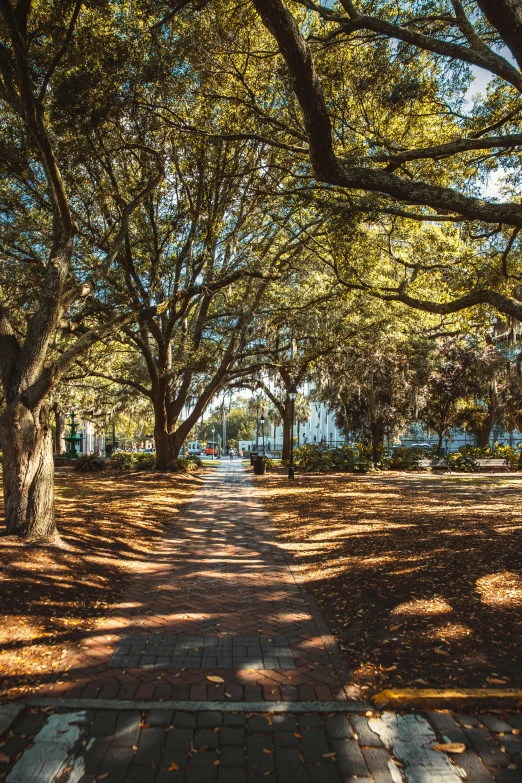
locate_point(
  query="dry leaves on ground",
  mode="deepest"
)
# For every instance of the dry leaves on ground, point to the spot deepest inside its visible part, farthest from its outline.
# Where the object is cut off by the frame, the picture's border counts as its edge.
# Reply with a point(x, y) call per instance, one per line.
point(420, 577)
point(51, 597)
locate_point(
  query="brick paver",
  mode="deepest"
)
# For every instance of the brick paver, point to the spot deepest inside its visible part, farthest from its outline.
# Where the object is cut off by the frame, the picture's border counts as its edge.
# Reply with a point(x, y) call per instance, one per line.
point(164, 745)
point(218, 598)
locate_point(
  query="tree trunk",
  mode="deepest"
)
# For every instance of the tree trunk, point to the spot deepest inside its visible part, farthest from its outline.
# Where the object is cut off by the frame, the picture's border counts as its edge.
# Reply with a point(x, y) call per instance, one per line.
point(483, 434)
point(439, 442)
point(28, 470)
point(166, 452)
point(287, 430)
point(377, 434)
point(59, 420)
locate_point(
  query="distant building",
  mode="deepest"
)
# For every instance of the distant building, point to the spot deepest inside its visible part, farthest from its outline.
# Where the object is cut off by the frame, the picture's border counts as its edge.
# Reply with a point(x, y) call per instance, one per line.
point(91, 442)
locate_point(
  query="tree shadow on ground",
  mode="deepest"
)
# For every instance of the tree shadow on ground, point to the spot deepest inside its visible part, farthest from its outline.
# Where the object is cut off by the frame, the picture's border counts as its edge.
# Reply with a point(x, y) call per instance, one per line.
point(51, 597)
point(217, 571)
point(420, 578)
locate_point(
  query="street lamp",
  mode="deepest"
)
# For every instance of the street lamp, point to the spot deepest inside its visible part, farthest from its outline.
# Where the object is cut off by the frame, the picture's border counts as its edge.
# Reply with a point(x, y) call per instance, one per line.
point(292, 394)
point(262, 422)
point(213, 441)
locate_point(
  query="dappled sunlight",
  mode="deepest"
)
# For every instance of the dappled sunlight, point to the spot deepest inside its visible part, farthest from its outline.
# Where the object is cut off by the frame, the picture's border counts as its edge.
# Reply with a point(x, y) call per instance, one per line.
point(415, 573)
point(423, 606)
point(51, 598)
point(503, 589)
point(451, 631)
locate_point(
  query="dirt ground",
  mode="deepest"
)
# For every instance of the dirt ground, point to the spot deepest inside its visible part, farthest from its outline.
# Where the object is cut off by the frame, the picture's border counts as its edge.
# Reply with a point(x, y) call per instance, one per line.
point(419, 577)
point(51, 597)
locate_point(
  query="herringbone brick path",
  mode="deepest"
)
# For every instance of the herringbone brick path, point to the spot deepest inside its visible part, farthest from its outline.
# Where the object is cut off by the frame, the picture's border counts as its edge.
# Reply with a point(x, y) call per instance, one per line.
point(219, 572)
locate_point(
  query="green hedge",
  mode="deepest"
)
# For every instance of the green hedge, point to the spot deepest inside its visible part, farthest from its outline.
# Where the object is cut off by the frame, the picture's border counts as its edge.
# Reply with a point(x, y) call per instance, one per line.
point(89, 463)
point(127, 460)
point(189, 464)
point(317, 457)
point(122, 460)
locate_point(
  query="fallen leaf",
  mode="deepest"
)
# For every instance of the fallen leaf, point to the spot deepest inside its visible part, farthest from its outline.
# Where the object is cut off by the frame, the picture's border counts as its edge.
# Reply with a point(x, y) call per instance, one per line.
point(4, 759)
point(266, 750)
point(216, 762)
point(214, 678)
point(329, 755)
point(173, 767)
point(451, 747)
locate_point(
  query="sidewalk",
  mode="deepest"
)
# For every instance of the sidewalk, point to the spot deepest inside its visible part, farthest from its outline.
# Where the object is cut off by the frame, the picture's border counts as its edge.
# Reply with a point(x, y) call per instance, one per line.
point(217, 667)
point(220, 599)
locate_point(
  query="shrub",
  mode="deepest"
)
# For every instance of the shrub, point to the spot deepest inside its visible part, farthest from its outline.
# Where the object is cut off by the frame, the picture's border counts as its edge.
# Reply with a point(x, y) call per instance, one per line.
point(144, 461)
point(189, 464)
point(313, 456)
point(89, 463)
point(466, 463)
point(511, 453)
point(122, 460)
point(363, 465)
point(319, 458)
point(406, 458)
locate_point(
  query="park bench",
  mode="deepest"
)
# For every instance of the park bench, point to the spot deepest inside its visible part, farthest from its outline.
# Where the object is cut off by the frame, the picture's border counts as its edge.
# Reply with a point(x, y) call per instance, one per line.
point(434, 464)
point(487, 464)
point(493, 464)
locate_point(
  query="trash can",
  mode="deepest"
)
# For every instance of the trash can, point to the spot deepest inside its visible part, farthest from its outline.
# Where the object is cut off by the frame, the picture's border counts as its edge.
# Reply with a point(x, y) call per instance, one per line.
point(260, 465)
point(253, 455)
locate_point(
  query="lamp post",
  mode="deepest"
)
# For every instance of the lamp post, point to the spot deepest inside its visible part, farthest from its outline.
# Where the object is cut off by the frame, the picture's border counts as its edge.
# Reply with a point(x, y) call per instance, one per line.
point(292, 394)
point(262, 422)
point(213, 441)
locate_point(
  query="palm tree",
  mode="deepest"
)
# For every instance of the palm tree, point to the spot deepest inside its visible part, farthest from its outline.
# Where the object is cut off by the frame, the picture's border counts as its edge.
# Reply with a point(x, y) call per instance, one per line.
point(301, 413)
point(274, 418)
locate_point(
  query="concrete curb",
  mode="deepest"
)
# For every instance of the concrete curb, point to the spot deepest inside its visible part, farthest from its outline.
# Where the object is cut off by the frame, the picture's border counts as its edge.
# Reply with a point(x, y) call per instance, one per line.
point(455, 698)
point(200, 706)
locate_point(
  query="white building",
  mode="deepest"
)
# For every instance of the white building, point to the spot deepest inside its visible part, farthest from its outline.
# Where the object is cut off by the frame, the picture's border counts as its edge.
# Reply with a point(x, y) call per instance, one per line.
point(91, 442)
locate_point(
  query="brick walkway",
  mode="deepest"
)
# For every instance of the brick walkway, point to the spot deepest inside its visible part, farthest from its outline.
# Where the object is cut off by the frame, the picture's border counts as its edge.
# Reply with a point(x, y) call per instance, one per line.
point(218, 599)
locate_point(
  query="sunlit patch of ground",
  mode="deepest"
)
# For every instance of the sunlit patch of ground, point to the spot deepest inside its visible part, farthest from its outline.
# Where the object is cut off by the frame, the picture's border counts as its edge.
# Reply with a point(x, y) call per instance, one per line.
point(51, 597)
point(420, 577)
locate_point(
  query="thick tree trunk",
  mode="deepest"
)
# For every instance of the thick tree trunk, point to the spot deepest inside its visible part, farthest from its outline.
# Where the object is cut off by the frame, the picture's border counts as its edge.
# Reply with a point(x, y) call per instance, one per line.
point(287, 430)
point(166, 451)
point(484, 433)
point(28, 470)
point(59, 420)
point(439, 443)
